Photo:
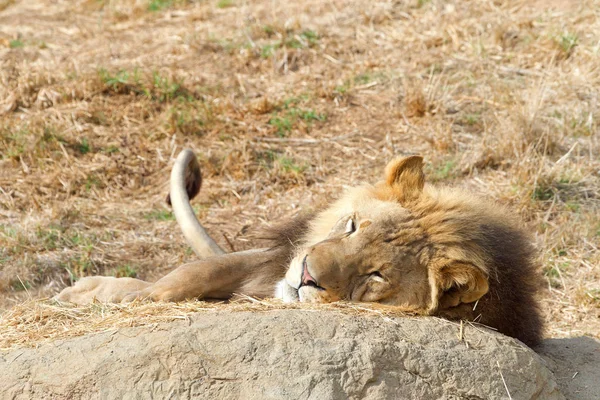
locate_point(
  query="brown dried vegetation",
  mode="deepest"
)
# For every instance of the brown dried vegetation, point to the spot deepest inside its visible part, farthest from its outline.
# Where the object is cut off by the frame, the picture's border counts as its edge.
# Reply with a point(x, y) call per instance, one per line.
point(285, 104)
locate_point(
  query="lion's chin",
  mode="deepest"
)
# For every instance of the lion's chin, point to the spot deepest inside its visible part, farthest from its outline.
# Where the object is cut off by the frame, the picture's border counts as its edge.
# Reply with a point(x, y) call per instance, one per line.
point(305, 294)
point(287, 293)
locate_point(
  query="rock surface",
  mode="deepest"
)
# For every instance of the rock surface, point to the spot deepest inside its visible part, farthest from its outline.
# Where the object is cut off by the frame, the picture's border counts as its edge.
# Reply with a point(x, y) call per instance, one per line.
point(283, 354)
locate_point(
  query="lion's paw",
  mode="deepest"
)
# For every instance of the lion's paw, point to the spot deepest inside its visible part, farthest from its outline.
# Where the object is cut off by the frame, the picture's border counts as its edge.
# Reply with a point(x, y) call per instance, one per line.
point(132, 296)
point(152, 293)
point(105, 289)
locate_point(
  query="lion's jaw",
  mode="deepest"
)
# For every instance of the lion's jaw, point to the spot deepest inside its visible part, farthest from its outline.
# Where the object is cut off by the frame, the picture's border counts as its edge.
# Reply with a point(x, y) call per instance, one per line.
point(361, 248)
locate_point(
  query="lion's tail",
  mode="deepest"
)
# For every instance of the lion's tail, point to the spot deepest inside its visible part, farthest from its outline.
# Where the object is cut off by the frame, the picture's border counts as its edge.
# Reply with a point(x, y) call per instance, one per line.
point(186, 180)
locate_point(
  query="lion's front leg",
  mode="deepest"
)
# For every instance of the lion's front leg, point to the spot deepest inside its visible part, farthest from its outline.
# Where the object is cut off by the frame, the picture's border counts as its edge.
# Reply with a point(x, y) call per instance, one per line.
point(101, 288)
point(253, 272)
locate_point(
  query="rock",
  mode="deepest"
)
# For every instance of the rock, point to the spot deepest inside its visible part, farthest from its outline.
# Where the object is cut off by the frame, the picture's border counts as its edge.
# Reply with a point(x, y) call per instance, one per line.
point(282, 354)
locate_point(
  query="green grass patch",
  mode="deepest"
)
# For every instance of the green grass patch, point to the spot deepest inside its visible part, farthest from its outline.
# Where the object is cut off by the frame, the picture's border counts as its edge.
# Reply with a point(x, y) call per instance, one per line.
point(160, 215)
point(573, 206)
point(542, 193)
point(13, 142)
point(166, 89)
point(190, 117)
point(443, 171)
point(121, 77)
point(269, 30)
point(363, 79)
point(16, 44)
point(11, 232)
point(567, 42)
point(472, 119)
point(225, 3)
point(289, 113)
point(161, 5)
point(582, 126)
point(568, 187)
point(124, 271)
point(289, 164)
point(39, 143)
point(84, 146)
point(311, 36)
point(554, 273)
point(57, 236)
point(342, 89)
point(270, 159)
point(19, 285)
point(157, 87)
point(594, 294)
point(111, 149)
point(302, 40)
point(309, 115)
point(266, 158)
point(79, 266)
point(92, 181)
point(359, 80)
point(50, 237)
point(283, 125)
point(268, 50)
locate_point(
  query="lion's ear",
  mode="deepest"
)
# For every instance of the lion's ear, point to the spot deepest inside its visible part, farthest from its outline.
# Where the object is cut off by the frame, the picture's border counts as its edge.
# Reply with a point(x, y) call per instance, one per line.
point(406, 178)
point(458, 283)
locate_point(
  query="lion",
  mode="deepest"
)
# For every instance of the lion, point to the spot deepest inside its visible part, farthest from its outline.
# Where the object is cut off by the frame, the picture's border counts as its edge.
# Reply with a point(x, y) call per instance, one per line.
point(426, 250)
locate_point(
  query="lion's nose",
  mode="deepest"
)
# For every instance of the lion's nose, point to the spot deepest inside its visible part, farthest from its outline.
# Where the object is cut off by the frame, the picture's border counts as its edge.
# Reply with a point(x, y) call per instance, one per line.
point(307, 279)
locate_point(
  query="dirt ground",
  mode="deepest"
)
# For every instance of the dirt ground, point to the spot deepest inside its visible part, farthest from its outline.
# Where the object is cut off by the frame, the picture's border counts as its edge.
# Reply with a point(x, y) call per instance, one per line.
point(286, 103)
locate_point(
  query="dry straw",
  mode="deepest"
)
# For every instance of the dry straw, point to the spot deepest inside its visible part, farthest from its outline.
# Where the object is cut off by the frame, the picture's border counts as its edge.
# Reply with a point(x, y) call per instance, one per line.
point(33, 323)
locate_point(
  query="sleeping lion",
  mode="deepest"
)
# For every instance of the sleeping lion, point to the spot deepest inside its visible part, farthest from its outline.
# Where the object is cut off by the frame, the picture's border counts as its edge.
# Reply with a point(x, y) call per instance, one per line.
point(426, 250)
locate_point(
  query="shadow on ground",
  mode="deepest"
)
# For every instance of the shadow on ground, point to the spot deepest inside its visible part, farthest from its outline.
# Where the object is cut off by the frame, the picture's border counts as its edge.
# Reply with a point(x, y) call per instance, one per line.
point(576, 365)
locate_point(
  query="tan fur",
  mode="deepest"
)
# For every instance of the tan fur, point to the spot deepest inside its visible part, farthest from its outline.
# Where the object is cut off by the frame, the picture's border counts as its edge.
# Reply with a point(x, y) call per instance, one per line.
point(105, 288)
point(426, 250)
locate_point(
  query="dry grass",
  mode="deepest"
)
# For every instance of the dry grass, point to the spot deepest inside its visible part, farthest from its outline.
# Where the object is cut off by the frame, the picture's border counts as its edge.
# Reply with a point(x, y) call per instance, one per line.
point(33, 323)
point(286, 103)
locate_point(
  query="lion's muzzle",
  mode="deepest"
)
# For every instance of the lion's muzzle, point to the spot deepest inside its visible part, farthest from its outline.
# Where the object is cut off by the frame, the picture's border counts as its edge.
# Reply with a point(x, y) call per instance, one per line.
point(306, 279)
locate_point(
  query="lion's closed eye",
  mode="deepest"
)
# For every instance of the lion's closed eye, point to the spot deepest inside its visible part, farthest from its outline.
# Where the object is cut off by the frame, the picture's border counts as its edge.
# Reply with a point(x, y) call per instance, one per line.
point(377, 277)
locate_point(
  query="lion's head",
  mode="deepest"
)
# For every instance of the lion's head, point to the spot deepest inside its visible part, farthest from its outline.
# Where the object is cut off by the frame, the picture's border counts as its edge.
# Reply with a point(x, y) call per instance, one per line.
point(398, 242)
